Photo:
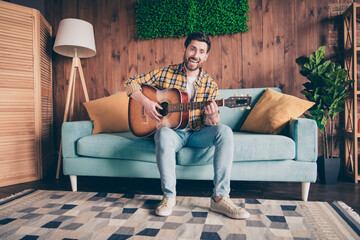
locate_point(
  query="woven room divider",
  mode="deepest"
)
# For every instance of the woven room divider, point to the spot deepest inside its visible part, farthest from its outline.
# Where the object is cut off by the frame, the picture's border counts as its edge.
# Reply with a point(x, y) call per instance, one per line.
point(26, 94)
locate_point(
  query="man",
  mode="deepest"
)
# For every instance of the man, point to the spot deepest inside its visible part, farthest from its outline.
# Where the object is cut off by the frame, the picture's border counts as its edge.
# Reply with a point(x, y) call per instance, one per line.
point(203, 130)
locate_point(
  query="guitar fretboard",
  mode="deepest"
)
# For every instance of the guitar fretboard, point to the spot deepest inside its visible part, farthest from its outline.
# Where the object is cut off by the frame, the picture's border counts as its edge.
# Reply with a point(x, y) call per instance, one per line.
point(179, 107)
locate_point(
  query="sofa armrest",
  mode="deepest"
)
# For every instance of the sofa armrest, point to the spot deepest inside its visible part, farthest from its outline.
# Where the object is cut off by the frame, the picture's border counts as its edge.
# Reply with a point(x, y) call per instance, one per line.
point(304, 132)
point(71, 132)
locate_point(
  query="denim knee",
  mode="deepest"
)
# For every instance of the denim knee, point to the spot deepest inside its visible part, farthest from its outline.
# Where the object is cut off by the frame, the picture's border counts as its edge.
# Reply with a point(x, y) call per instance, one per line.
point(224, 131)
point(162, 132)
point(163, 137)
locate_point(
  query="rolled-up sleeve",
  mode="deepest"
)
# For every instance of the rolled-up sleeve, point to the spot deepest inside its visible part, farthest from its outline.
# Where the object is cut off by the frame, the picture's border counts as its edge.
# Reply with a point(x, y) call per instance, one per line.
point(134, 83)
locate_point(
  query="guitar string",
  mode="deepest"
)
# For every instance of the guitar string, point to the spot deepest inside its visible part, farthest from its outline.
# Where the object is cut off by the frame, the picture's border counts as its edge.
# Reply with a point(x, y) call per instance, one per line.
point(190, 105)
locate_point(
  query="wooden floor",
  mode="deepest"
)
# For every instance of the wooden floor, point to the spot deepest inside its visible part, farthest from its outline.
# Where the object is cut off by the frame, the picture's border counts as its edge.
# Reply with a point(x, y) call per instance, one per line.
point(345, 191)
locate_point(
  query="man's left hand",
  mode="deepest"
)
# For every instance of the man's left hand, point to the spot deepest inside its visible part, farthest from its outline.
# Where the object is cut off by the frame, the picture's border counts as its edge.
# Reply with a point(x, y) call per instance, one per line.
point(212, 113)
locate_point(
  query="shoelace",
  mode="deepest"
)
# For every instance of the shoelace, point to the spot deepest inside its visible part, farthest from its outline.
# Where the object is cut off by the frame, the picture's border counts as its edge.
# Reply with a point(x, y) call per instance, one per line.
point(230, 205)
point(163, 202)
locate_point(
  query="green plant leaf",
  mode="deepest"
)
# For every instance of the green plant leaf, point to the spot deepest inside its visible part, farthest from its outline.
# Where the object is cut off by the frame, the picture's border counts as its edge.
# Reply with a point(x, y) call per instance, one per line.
point(309, 95)
point(327, 100)
point(302, 60)
point(324, 121)
point(326, 86)
point(308, 85)
point(305, 72)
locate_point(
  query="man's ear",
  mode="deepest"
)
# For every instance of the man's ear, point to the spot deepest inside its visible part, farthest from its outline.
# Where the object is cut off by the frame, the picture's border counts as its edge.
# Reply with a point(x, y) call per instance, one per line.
point(206, 56)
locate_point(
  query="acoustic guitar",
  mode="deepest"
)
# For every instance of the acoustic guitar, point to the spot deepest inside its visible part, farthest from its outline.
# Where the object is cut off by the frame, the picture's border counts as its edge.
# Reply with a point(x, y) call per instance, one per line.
point(175, 109)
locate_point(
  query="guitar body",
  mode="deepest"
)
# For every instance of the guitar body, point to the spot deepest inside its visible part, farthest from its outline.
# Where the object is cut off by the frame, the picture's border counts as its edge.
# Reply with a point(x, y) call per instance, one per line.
point(175, 109)
point(142, 125)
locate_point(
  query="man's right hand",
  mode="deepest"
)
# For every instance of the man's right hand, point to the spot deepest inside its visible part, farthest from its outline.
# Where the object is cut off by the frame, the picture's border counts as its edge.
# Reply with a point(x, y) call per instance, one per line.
point(150, 106)
point(151, 109)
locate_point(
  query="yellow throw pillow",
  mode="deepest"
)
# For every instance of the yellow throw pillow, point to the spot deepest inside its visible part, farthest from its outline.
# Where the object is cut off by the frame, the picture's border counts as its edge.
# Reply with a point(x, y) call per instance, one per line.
point(109, 114)
point(273, 111)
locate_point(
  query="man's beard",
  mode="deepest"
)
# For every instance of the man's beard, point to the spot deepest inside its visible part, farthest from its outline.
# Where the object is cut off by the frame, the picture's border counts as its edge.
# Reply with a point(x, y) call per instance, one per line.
point(187, 60)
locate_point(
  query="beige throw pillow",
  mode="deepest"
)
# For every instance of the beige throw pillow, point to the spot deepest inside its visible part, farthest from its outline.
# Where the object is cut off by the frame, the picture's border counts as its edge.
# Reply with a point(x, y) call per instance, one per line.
point(109, 114)
point(273, 111)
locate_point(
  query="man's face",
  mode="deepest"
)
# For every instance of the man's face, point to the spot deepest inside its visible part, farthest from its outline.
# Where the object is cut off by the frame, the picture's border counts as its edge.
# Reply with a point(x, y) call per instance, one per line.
point(195, 55)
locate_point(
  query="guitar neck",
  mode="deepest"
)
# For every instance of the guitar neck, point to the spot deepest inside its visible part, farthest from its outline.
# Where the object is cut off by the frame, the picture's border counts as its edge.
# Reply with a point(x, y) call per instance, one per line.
point(178, 107)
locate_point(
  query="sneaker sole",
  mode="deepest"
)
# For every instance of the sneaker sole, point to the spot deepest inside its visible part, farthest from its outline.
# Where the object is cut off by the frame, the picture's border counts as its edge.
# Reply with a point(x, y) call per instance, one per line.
point(231, 216)
point(162, 214)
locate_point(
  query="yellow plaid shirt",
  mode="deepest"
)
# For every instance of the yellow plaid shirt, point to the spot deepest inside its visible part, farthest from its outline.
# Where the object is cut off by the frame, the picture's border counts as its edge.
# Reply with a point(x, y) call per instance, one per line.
point(174, 76)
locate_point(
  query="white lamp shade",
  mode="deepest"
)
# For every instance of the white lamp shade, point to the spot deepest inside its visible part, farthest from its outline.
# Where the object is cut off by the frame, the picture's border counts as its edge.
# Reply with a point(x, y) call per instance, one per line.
point(75, 34)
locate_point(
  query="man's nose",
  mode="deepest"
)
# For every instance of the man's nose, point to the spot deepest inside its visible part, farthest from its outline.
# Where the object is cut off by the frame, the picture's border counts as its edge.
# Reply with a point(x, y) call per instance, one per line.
point(196, 55)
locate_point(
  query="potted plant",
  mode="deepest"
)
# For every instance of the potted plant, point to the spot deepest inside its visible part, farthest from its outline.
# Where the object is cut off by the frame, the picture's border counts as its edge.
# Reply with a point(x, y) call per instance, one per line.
point(327, 87)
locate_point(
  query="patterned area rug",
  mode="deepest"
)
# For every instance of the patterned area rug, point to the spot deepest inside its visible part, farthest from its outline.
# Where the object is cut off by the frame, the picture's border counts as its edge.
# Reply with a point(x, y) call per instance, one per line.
point(83, 215)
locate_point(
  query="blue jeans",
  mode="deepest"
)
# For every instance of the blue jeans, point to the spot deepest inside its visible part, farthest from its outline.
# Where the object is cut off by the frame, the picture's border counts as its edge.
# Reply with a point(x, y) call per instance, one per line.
point(168, 142)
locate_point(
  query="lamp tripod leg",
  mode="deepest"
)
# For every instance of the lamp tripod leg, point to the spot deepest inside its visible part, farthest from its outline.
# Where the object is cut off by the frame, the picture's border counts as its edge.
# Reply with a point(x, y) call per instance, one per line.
point(71, 88)
point(81, 73)
point(71, 112)
point(59, 161)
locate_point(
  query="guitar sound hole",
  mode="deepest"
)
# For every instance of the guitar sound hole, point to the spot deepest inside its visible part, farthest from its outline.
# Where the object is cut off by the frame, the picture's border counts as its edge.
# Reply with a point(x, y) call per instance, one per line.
point(164, 111)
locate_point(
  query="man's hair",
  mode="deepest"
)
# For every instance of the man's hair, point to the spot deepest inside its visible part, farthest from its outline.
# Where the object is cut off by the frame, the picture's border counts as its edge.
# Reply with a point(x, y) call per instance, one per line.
point(199, 36)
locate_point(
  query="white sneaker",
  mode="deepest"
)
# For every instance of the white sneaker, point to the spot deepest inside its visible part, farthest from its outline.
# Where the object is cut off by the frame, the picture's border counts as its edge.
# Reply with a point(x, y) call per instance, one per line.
point(227, 207)
point(166, 206)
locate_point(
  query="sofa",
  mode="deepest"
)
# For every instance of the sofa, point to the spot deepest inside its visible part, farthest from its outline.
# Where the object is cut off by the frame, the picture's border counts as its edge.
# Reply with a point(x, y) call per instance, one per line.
point(289, 156)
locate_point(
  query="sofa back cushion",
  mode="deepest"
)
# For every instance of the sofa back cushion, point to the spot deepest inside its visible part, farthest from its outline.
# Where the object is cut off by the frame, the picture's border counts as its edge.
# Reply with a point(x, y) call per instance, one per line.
point(236, 118)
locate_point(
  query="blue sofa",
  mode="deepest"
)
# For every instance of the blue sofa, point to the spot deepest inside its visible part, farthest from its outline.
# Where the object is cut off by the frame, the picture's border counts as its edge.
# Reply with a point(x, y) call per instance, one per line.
point(258, 157)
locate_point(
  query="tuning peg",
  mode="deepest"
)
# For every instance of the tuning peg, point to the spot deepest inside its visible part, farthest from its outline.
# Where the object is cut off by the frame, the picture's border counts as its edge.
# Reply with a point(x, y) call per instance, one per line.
point(235, 109)
point(248, 95)
point(241, 108)
point(248, 107)
point(241, 95)
point(235, 95)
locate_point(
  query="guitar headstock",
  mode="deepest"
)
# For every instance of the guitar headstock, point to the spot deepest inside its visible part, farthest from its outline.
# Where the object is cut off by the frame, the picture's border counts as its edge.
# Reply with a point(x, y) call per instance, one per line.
point(238, 101)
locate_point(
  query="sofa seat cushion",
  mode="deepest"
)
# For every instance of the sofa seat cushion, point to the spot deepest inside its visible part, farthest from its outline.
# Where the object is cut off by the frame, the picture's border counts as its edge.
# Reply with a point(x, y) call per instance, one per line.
point(248, 147)
point(117, 146)
point(260, 147)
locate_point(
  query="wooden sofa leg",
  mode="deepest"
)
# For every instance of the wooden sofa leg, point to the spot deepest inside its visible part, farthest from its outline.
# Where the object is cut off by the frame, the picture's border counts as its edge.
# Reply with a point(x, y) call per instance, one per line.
point(73, 180)
point(305, 188)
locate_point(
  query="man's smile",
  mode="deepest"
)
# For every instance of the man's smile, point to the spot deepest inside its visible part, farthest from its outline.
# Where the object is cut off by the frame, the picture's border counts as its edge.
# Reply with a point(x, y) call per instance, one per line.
point(193, 60)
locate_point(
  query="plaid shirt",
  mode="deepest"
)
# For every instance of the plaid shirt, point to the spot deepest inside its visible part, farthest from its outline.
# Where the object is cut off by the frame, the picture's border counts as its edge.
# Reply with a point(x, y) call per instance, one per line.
point(174, 76)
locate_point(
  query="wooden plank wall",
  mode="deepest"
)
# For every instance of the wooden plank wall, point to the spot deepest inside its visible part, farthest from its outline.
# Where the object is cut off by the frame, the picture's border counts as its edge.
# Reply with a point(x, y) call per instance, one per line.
point(279, 32)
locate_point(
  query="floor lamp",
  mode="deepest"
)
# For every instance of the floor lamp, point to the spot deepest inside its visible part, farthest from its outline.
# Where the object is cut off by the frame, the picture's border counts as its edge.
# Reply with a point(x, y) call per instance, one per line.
point(74, 38)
